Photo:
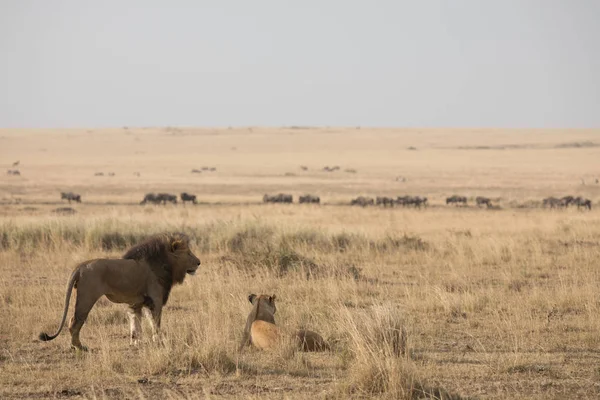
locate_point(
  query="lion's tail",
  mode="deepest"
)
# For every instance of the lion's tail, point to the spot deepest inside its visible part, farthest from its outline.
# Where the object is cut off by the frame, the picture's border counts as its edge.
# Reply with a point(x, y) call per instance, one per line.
point(72, 281)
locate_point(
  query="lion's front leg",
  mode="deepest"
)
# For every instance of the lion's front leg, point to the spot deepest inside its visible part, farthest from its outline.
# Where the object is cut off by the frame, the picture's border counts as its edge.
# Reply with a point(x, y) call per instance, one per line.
point(135, 324)
point(154, 315)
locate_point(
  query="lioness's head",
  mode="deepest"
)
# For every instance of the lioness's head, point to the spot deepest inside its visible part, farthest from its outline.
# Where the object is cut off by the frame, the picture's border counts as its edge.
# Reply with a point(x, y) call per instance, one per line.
point(267, 303)
point(181, 258)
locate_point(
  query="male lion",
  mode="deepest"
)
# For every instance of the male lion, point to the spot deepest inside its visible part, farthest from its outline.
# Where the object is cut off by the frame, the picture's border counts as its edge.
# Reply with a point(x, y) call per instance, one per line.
point(262, 332)
point(142, 278)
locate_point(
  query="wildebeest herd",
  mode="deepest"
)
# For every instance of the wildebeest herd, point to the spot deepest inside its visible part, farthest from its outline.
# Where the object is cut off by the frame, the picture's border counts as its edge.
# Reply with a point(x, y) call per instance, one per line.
point(462, 201)
point(565, 202)
point(405, 201)
point(309, 198)
point(288, 198)
point(418, 201)
point(363, 201)
point(278, 198)
point(164, 198)
point(457, 200)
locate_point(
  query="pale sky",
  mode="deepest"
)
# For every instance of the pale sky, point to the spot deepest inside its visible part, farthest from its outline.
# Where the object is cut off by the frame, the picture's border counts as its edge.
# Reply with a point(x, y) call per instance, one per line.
point(393, 63)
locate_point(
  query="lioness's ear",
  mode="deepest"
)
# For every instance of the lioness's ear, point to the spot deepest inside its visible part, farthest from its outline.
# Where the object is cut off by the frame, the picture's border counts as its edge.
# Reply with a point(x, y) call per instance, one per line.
point(272, 298)
point(251, 298)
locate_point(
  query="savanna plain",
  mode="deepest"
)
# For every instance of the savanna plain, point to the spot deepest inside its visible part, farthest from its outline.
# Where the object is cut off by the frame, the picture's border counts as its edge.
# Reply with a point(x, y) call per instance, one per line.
point(496, 303)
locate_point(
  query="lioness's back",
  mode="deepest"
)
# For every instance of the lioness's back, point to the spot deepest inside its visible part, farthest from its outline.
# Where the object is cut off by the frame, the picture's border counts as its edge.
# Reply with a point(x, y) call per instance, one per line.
point(265, 335)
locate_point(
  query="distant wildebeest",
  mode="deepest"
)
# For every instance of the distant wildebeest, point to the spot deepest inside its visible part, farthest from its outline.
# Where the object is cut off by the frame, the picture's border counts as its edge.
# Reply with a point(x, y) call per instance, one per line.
point(582, 202)
point(111, 174)
point(70, 196)
point(99, 174)
point(362, 201)
point(415, 201)
point(480, 200)
point(188, 197)
point(350, 170)
point(196, 171)
point(403, 200)
point(552, 202)
point(304, 168)
point(14, 172)
point(151, 198)
point(16, 163)
point(285, 198)
point(385, 201)
point(205, 168)
point(567, 201)
point(278, 198)
point(212, 169)
point(455, 199)
point(167, 197)
point(309, 199)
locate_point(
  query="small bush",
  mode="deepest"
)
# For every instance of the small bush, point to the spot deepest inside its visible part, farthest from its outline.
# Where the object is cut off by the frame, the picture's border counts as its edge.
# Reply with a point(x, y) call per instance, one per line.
point(345, 241)
point(251, 239)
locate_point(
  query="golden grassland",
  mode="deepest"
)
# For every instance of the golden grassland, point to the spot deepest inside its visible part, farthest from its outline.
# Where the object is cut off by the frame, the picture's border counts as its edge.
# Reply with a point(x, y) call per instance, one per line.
point(496, 303)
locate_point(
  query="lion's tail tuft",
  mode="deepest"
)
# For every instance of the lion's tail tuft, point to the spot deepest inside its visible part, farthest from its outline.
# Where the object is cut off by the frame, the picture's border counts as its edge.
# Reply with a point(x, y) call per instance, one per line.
point(44, 337)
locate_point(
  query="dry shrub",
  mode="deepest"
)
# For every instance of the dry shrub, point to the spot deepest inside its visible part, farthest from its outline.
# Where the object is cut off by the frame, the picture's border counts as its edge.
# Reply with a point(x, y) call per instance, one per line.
point(48, 233)
point(377, 360)
point(378, 329)
point(345, 241)
point(306, 238)
point(111, 241)
point(376, 341)
point(184, 349)
point(278, 261)
point(392, 243)
point(252, 238)
point(334, 269)
point(173, 359)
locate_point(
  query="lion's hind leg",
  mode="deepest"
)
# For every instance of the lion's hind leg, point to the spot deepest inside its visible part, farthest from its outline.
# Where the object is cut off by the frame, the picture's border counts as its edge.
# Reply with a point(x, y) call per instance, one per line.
point(83, 306)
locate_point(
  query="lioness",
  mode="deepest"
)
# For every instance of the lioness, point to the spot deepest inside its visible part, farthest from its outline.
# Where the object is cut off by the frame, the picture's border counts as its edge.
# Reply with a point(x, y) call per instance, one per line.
point(262, 332)
point(142, 278)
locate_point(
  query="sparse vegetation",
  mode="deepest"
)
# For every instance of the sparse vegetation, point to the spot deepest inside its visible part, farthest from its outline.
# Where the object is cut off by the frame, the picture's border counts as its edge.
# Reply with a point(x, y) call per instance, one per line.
point(441, 302)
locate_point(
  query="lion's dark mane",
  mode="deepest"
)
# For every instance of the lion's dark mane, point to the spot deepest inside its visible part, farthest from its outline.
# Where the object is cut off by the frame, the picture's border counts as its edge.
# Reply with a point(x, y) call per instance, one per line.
point(155, 250)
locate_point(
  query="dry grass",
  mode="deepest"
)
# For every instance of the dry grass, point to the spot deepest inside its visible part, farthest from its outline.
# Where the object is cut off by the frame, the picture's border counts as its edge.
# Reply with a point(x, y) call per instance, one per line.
point(440, 303)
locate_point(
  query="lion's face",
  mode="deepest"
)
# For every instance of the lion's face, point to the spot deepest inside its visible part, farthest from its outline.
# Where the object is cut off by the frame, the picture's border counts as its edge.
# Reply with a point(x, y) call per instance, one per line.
point(192, 262)
point(183, 261)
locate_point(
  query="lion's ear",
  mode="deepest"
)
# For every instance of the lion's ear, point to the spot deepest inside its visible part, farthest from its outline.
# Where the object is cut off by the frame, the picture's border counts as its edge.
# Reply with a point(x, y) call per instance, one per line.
point(251, 298)
point(176, 245)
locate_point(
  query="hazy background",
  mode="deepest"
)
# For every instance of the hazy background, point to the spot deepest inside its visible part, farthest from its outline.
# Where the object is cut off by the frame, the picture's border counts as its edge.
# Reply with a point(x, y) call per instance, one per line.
point(518, 63)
